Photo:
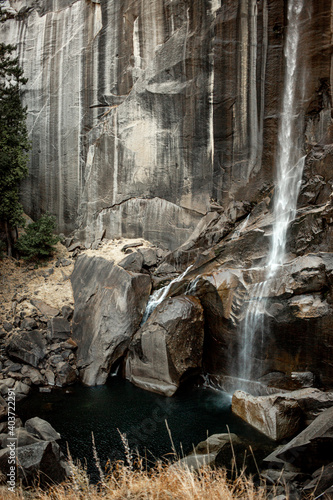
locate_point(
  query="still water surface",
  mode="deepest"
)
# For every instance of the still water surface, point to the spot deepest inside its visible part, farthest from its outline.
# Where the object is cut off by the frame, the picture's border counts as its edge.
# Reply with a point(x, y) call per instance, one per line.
point(78, 411)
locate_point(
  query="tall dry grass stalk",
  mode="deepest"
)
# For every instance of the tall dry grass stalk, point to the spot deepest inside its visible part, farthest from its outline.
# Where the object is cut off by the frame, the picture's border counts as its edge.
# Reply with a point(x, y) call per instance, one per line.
point(133, 481)
point(161, 483)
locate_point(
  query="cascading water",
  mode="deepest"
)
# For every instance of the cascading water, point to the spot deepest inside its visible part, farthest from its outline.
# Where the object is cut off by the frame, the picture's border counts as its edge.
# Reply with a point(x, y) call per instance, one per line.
point(289, 166)
point(159, 295)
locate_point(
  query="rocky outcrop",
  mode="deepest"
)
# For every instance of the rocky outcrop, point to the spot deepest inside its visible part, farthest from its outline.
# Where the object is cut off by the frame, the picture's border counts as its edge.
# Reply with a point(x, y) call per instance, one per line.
point(168, 346)
point(299, 297)
point(38, 454)
point(39, 356)
point(173, 107)
point(109, 304)
point(312, 448)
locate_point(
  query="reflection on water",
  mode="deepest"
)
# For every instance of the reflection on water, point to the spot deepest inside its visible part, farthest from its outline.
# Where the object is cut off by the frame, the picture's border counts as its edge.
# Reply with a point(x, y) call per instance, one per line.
point(192, 414)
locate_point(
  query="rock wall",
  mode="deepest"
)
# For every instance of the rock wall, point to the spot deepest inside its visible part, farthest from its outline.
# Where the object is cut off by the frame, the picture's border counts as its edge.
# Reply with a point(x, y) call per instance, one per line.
point(141, 114)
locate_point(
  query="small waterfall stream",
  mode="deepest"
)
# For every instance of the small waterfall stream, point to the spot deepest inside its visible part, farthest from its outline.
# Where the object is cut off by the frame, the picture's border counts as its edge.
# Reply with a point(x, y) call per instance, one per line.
point(289, 168)
point(159, 295)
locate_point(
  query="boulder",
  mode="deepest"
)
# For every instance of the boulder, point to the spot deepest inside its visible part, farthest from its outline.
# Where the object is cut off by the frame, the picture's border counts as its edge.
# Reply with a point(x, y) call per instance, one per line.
point(132, 262)
point(6, 384)
point(311, 401)
point(50, 377)
point(67, 312)
point(276, 416)
point(35, 376)
point(109, 305)
point(22, 436)
point(42, 460)
point(59, 329)
point(321, 482)
point(168, 346)
point(15, 367)
point(28, 324)
point(21, 388)
point(313, 447)
point(8, 327)
point(41, 429)
point(27, 347)
point(206, 451)
point(223, 450)
point(303, 379)
point(149, 256)
point(65, 374)
point(3, 408)
point(44, 308)
point(273, 476)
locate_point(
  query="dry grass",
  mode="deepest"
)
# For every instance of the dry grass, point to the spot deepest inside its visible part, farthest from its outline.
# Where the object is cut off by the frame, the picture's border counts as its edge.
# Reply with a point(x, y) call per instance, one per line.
point(161, 483)
point(133, 480)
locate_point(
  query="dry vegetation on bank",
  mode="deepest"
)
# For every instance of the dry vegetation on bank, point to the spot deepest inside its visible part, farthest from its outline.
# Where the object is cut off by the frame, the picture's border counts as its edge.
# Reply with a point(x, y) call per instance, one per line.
point(162, 483)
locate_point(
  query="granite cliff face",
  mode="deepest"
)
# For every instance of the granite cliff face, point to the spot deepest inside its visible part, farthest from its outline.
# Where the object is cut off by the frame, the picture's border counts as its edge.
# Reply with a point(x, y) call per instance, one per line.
point(143, 113)
point(159, 119)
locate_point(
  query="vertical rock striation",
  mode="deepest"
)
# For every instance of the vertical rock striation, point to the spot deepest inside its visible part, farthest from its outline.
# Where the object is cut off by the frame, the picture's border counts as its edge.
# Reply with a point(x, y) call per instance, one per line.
point(141, 113)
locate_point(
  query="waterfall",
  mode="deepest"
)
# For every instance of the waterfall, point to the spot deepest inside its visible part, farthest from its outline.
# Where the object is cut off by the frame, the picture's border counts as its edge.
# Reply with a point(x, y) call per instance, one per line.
point(159, 295)
point(289, 168)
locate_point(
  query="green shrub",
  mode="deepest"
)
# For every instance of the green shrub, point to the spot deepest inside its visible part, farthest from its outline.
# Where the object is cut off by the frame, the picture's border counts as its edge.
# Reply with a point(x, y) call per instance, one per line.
point(38, 241)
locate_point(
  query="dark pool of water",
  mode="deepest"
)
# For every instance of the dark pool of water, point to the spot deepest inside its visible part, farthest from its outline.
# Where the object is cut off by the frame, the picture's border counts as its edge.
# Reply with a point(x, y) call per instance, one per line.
point(75, 413)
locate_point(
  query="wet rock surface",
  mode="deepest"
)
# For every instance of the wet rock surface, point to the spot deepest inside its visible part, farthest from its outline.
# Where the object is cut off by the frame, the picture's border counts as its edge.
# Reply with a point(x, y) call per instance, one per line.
point(168, 346)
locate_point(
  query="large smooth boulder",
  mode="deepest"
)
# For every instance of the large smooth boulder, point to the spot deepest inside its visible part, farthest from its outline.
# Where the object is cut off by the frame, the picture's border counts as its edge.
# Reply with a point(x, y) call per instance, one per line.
point(109, 305)
point(276, 416)
point(27, 347)
point(168, 346)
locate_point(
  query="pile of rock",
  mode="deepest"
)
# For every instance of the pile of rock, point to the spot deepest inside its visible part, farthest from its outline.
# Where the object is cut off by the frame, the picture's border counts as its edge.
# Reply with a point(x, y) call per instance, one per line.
point(38, 350)
point(305, 462)
point(38, 456)
point(295, 469)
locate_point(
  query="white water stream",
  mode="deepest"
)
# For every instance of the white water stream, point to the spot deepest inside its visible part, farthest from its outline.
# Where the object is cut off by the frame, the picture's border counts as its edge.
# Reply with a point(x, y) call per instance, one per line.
point(159, 295)
point(289, 168)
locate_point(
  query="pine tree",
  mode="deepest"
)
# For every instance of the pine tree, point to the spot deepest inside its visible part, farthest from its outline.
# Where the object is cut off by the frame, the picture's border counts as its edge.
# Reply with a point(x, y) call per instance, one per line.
point(14, 143)
point(38, 241)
